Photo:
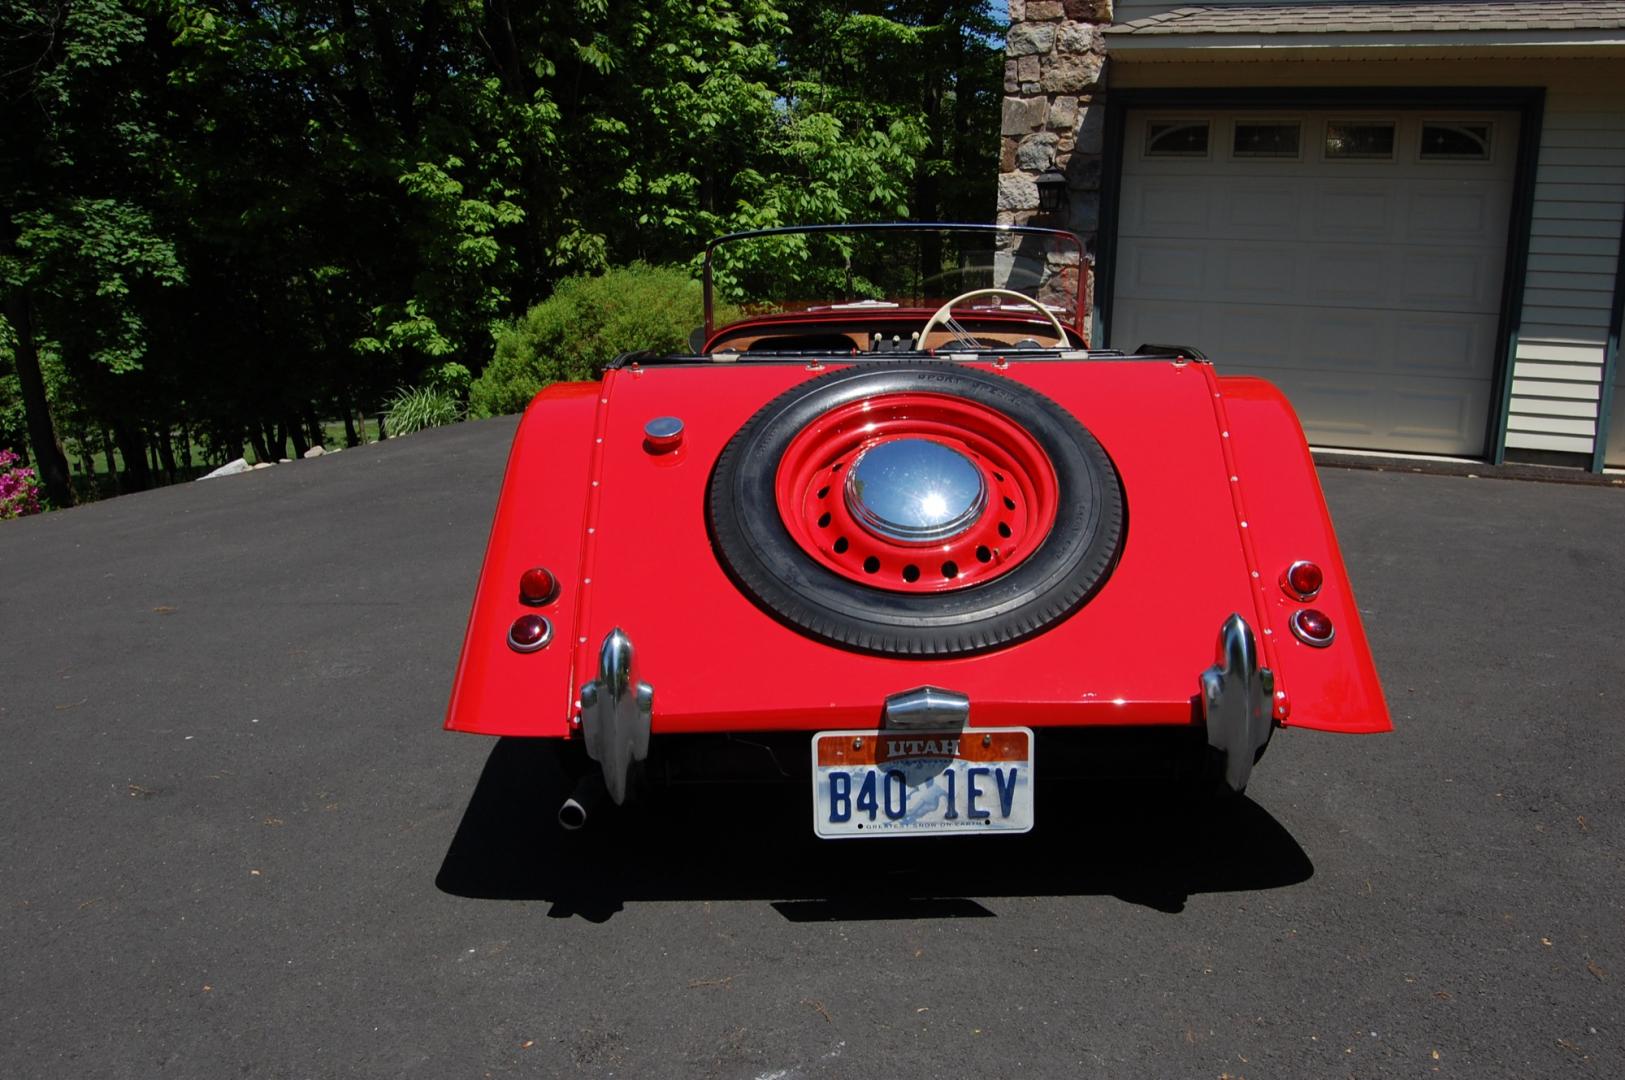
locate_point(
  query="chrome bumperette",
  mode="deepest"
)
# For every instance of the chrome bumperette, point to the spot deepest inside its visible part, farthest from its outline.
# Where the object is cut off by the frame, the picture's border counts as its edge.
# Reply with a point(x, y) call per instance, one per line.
point(926, 708)
point(1236, 694)
point(916, 491)
point(616, 710)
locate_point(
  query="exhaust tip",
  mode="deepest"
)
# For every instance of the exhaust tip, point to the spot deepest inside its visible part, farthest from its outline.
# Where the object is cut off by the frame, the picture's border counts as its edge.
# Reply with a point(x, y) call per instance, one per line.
point(572, 815)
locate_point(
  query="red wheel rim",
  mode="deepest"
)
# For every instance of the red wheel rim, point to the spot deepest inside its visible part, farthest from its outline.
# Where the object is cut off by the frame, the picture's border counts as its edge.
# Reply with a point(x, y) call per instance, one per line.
point(1019, 480)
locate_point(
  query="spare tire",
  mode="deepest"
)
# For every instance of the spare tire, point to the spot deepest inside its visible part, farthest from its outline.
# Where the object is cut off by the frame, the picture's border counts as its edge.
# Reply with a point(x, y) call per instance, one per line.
point(1077, 510)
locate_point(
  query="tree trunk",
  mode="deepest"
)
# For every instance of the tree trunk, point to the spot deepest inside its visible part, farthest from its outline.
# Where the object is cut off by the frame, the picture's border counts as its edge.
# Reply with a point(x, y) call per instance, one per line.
point(166, 451)
point(137, 477)
point(318, 434)
point(107, 448)
point(297, 434)
point(256, 439)
point(349, 419)
point(48, 455)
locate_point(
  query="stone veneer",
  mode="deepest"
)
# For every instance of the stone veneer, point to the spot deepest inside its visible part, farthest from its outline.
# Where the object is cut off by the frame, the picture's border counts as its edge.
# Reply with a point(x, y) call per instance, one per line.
point(1054, 115)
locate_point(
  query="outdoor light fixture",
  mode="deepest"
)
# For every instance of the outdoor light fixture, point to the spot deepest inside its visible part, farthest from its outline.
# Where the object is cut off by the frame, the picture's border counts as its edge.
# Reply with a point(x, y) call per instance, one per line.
point(1051, 191)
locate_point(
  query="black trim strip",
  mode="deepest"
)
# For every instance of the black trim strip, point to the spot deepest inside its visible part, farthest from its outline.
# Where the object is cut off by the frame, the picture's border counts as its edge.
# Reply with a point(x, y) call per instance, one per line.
point(1610, 363)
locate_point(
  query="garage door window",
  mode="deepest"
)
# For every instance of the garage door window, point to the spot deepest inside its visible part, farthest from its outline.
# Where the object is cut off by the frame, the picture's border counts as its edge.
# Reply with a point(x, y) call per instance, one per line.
point(1178, 139)
point(1359, 140)
point(1455, 142)
point(1275, 140)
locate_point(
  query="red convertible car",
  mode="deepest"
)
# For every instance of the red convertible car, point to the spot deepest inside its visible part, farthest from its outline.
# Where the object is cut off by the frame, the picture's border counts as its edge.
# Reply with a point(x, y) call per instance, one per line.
point(911, 544)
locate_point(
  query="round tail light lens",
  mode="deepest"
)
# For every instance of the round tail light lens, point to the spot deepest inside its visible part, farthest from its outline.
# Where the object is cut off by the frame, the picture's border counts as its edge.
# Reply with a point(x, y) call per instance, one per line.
point(538, 586)
point(1313, 627)
point(529, 633)
point(1303, 580)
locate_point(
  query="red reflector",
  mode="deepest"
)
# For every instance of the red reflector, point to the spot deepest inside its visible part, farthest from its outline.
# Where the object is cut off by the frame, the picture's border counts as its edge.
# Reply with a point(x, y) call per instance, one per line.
point(1303, 580)
point(538, 586)
point(1313, 627)
point(529, 633)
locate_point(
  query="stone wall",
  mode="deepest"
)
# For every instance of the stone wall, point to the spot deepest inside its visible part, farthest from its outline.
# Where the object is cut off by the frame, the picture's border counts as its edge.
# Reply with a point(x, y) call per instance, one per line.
point(1054, 112)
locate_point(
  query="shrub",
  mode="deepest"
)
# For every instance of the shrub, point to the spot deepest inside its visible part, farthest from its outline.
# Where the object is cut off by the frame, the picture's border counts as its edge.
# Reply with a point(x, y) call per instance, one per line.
point(582, 326)
point(418, 407)
point(19, 489)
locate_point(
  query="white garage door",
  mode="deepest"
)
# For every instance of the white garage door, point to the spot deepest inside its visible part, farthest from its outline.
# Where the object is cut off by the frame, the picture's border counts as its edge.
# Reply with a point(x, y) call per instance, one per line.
point(1353, 258)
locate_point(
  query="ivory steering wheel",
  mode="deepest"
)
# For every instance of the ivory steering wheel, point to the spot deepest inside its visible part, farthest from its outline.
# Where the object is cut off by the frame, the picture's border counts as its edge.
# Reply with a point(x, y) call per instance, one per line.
point(944, 314)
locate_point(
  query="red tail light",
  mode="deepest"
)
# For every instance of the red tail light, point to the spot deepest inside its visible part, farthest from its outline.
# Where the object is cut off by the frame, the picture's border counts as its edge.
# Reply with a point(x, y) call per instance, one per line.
point(1302, 580)
point(538, 586)
point(1313, 627)
point(529, 633)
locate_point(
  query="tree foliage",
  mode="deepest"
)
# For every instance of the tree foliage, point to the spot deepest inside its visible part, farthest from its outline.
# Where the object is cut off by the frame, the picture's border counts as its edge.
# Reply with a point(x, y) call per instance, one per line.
point(221, 223)
point(586, 323)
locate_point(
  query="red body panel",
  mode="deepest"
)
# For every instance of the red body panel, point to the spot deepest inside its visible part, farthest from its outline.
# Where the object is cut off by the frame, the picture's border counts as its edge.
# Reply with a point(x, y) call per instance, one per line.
point(538, 523)
point(1335, 688)
point(625, 531)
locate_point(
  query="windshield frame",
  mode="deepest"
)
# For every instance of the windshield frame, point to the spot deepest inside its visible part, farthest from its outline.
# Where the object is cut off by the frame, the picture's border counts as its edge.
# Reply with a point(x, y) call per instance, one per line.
point(1079, 314)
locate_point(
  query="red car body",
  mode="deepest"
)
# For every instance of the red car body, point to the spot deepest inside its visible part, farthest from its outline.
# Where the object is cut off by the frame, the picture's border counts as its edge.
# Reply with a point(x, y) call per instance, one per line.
point(1221, 499)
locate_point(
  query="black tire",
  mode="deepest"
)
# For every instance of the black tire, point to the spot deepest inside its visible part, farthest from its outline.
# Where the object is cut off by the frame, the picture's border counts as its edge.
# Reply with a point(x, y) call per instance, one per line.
point(1051, 583)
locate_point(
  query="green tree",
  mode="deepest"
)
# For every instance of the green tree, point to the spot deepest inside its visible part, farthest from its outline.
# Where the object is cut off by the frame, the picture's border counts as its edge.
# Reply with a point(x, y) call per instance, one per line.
point(229, 221)
point(583, 325)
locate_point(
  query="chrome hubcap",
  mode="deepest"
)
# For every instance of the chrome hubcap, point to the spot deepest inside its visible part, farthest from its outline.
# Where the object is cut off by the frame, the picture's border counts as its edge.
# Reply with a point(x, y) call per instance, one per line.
point(916, 491)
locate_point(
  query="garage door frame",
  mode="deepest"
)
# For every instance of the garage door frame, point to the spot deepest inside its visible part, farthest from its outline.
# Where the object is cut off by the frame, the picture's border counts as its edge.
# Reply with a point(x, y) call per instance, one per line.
point(1528, 102)
point(1612, 396)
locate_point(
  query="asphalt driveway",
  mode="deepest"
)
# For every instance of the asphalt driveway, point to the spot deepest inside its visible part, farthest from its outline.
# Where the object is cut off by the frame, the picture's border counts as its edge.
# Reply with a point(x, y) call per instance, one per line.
point(237, 843)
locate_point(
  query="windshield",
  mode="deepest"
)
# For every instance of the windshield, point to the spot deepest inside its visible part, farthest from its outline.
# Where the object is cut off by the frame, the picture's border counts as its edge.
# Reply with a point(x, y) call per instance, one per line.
point(878, 267)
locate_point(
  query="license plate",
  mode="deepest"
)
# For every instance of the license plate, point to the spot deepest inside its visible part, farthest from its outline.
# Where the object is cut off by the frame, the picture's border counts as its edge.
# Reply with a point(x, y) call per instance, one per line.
point(922, 783)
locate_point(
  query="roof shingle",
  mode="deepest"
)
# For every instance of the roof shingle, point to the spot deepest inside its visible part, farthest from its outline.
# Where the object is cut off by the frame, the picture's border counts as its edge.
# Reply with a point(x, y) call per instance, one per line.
point(1434, 16)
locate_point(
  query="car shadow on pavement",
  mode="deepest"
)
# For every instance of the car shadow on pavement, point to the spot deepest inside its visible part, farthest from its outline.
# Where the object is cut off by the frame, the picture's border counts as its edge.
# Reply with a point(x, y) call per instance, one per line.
point(755, 842)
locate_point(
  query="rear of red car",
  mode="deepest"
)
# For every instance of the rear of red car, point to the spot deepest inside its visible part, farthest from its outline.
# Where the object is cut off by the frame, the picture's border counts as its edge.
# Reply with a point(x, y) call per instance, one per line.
point(903, 580)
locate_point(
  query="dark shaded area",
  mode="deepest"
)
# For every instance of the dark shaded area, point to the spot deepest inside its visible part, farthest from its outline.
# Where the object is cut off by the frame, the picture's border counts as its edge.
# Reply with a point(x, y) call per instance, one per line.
point(1147, 845)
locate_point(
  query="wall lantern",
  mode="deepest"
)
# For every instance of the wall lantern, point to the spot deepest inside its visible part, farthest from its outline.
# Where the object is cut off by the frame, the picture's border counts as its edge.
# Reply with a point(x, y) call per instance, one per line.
point(1051, 192)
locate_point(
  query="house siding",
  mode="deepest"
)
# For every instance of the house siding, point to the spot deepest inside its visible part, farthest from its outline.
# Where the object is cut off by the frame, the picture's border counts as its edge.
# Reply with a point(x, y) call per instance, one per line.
point(1573, 255)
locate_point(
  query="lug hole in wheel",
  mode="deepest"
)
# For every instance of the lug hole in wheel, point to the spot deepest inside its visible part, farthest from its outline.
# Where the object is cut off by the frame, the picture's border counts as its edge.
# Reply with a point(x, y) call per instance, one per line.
point(984, 554)
point(911, 573)
point(950, 569)
point(841, 545)
point(1004, 529)
point(871, 565)
point(999, 476)
point(1009, 503)
point(822, 492)
point(823, 520)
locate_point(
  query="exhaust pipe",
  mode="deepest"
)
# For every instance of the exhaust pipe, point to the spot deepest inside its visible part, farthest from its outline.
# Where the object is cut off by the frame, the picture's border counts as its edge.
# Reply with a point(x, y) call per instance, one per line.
point(585, 801)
